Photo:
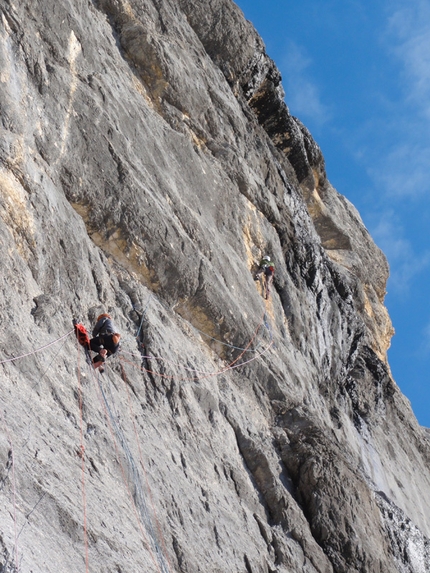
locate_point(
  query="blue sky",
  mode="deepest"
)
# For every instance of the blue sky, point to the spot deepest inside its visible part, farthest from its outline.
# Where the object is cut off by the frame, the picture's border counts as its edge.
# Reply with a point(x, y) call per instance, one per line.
point(357, 74)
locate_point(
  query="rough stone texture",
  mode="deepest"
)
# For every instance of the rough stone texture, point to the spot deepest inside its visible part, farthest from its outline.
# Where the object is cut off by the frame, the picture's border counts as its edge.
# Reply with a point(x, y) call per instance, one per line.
point(147, 162)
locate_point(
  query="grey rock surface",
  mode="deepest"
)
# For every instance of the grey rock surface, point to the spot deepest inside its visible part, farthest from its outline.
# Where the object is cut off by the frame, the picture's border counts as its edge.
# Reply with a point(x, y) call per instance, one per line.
point(147, 162)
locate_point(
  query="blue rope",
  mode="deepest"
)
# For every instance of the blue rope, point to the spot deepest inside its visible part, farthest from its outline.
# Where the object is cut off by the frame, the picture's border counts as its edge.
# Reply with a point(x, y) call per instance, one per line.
point(139, 496)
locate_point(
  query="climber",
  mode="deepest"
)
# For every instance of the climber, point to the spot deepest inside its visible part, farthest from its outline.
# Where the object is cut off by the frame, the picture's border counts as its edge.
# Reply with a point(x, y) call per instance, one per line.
point(268, 269)
point(105, 340)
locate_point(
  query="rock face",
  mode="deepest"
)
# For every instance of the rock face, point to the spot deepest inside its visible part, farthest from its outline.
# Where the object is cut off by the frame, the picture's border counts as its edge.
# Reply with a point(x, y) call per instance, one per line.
point(147, 162)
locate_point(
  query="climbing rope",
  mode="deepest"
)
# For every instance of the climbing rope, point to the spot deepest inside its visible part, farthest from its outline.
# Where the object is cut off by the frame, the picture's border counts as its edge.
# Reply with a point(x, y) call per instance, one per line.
point(250, 342)
point(132, 416)
point(137, 500)
point(30, 512)
point(197, 330)
point(231, 366)
point(82, 455)
point(205, 375)
point(49, 365)
point(147, 357)
point(37, 349)
point(193, 369)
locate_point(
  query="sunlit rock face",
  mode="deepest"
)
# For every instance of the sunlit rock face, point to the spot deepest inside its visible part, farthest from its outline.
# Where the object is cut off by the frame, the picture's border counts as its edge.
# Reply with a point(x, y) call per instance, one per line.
point(147, 162)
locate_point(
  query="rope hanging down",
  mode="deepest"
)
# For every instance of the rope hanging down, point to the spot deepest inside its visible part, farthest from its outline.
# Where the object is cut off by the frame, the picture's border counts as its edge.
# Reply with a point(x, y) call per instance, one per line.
point(82, 455)
point(142, 465)
point(137, 498)
point(139, 503)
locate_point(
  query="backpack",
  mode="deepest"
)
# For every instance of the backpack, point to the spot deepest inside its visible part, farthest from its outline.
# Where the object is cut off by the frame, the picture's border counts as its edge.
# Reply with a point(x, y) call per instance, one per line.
point(82, 335)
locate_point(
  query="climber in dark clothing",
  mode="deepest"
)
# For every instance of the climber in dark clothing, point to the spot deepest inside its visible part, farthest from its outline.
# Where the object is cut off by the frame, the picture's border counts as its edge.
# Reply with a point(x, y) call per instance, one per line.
point(105, 340)
point(268, 269)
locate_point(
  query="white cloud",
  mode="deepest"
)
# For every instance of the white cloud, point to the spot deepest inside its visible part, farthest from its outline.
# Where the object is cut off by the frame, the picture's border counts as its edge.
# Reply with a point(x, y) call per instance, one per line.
point(302, 92)
point(405, 264)
point(425, 340)
point(403, 171)
point(396, 152)
point(409, 35)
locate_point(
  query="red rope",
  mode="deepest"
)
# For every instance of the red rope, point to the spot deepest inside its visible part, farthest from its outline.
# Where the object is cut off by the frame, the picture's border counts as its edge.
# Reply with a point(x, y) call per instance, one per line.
point(231, 366)
point(82, 455)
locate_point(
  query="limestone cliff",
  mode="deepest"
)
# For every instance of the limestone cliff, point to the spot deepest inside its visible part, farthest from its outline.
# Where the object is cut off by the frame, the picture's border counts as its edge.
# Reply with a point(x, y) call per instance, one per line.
point(147, 161)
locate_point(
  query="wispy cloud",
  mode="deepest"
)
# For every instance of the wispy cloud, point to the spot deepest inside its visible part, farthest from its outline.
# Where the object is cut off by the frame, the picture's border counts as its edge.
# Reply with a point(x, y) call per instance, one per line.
point(403, 170)
point(409, 34)
point(302, 92)
point(405, 264)
point(425, 340)
point(397, 157)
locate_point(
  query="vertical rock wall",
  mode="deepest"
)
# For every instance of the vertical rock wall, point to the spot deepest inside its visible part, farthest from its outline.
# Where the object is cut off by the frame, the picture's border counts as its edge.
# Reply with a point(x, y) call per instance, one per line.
point(147, 162)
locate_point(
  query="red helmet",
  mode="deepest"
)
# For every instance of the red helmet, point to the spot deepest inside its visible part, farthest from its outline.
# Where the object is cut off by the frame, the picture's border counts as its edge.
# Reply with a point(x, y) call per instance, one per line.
point(105, 315)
